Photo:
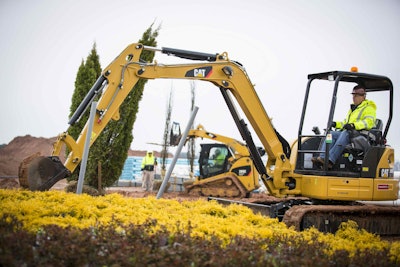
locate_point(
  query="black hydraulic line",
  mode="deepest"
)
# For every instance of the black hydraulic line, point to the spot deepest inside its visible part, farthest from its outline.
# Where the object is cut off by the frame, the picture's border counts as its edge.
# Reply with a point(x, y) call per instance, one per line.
point(96, 88)
point(193, 55)
point(246, 135)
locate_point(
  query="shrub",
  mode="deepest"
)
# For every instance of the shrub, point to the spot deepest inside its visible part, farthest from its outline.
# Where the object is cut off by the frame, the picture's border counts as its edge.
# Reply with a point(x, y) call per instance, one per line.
point(58, 228)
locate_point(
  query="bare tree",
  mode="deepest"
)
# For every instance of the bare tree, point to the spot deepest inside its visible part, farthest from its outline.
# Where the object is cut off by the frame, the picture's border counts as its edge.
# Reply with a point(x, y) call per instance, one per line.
point(165, 143)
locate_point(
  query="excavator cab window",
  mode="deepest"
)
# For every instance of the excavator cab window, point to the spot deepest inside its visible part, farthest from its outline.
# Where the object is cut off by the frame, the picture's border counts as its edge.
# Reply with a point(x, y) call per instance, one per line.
point(213, 159)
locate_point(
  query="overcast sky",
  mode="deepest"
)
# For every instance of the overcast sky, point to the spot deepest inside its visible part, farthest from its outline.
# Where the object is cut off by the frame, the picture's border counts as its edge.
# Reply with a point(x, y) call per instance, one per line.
point(278, 42)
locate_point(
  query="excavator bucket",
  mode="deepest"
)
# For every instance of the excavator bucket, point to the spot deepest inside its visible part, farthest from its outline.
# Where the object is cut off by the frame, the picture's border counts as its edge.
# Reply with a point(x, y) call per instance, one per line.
point(41, 173)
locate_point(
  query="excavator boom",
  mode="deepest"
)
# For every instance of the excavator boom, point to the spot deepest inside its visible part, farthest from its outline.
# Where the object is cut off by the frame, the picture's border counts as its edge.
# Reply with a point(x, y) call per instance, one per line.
point(119, 78)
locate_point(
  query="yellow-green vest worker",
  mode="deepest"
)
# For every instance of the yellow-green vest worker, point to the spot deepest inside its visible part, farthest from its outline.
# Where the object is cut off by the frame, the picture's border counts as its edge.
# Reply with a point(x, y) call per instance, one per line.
point(219, 158)
point(362, 116)
point(148, 161)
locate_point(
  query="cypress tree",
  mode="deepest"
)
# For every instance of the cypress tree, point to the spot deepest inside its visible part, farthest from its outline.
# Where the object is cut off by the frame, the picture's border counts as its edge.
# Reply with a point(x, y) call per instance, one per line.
point(111, 148)
point(87, 75)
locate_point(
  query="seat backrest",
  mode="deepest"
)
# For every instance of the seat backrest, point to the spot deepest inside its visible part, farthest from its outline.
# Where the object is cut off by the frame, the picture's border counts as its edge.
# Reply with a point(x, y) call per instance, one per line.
point(361, 143)
point(378, 124)
point(375, 134)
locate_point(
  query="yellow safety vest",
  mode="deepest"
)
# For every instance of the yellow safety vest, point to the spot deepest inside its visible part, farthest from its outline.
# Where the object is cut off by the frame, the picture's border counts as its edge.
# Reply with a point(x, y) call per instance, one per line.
point(363, 116)
point(148, 162)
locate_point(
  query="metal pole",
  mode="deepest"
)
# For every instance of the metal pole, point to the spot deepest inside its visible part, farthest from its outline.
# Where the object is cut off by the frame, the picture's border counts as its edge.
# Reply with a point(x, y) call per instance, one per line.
point(86, 148)
point(178, 151)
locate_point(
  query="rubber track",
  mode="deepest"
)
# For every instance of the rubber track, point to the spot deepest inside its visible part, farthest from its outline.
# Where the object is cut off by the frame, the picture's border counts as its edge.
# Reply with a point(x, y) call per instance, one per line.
point(382, 220)
point(219, 188)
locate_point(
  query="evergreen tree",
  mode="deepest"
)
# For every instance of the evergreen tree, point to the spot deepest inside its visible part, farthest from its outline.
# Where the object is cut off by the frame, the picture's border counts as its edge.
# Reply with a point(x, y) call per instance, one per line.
point(111, 148)
point(87, 75)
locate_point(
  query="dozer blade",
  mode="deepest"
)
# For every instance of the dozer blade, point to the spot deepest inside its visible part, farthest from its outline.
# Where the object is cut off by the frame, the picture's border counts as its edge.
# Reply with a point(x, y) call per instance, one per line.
point(43, 172)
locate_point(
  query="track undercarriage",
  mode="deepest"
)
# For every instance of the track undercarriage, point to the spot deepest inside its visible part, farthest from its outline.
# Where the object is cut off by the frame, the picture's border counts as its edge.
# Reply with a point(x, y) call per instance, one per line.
point(228, 186)
point(302, 213)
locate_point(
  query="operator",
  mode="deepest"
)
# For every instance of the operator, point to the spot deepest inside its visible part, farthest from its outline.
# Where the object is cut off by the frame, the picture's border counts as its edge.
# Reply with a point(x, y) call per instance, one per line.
point(361, 116)
point(218, 158)
point(149, 162)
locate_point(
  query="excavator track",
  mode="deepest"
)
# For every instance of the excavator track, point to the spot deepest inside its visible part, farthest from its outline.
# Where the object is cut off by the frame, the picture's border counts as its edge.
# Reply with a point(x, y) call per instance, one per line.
point(300, 214)
point(228, 186)
point(381, 220)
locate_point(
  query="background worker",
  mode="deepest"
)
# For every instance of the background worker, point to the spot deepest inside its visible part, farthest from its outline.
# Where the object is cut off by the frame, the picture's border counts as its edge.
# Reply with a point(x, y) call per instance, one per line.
point(149, 162)
point(218, 158)
point(361, 116)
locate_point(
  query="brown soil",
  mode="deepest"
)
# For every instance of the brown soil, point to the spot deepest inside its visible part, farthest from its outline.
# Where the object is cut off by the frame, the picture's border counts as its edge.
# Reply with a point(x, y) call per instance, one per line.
point(12, 154)
point(22, 147)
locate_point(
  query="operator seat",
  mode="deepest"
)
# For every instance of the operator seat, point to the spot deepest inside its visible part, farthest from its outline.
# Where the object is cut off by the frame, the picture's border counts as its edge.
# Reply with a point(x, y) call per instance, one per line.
point(374, 135)
point(362, 149)
point(361, 141)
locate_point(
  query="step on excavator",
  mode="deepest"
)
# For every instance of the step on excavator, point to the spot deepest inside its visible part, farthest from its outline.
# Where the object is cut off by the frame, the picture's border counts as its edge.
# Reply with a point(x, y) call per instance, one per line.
point(307, 194)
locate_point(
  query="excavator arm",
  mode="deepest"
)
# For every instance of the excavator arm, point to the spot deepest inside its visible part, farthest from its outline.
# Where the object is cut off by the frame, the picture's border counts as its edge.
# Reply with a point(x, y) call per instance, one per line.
point(200, 132)
point(121, 75)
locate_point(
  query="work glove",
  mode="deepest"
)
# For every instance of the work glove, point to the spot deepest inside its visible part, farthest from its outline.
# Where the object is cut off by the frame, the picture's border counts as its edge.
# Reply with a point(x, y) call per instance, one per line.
point(333, 125)
point(349, 126)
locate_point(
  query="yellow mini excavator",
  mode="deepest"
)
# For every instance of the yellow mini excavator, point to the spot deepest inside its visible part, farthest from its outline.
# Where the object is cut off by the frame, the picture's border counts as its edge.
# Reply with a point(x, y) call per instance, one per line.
point(309, 195)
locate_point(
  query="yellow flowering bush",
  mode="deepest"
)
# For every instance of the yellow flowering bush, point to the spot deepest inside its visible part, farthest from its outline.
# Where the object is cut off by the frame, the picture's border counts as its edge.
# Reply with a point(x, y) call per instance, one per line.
point(200, 217)
point(36, 209)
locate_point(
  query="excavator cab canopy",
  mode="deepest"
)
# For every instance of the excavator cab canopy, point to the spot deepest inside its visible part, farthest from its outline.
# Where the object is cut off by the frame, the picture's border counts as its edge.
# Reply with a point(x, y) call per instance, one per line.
point(371, 82)
point(308, 145)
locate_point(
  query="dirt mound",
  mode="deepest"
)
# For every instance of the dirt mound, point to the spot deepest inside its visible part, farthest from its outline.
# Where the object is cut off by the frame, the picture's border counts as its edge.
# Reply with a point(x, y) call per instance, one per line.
point(21, 147)
point(12, 154)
